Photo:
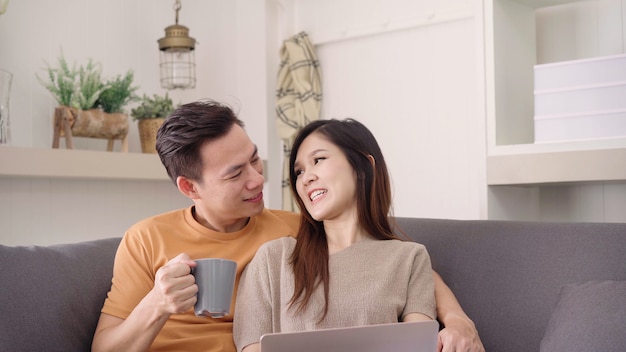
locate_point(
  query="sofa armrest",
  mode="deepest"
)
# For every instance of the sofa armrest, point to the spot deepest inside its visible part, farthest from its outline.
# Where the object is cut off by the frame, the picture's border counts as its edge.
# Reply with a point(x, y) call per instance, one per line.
point(52, 296)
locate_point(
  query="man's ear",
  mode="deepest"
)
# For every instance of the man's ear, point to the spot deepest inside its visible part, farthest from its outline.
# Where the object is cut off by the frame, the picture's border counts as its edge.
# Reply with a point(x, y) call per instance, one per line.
point(187, 187)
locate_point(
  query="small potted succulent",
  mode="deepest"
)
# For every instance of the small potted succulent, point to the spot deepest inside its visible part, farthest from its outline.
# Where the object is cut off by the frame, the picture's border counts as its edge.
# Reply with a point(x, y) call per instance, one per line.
point(151, 112)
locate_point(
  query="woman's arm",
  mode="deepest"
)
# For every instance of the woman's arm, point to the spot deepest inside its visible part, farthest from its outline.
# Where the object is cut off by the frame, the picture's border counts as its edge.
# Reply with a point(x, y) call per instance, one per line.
point(416, 317)
point(254, 304)
point(255, 347)
point(459, 332)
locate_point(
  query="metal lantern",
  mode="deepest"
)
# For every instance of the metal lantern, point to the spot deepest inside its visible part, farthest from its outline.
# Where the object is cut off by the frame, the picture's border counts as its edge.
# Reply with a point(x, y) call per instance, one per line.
point(178, 63)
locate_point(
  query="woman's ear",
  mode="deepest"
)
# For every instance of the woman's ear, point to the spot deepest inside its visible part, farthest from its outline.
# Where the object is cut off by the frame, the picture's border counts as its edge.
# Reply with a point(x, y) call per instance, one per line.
point(370, 157)
point(187, 187)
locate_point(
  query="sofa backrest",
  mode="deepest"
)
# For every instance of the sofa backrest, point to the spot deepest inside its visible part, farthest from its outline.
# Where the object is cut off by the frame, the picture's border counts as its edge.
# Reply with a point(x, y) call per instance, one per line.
point(507, 275)
point(50, 297)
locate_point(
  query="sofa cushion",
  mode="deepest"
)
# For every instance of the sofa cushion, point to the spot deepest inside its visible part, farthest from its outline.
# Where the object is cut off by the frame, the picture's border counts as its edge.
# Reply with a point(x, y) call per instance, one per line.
point(508, 275)
point(52, 296)
point(589, 316)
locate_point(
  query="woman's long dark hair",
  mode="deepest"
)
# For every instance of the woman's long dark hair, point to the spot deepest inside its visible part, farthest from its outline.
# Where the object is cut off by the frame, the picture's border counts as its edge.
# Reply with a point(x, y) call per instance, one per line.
point(373, 198)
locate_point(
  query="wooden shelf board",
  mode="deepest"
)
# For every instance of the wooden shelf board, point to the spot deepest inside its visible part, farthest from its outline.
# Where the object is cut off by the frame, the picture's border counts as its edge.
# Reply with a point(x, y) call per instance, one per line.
point(557, 167)
point(86, 164)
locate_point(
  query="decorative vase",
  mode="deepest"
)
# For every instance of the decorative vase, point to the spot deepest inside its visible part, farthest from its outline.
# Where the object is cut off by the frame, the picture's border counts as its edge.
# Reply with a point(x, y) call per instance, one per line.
point(93, 123)
point(147, 133)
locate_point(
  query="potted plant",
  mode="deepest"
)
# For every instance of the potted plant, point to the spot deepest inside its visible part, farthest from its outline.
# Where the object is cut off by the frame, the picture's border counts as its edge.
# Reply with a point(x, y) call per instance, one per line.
point(61, 82)
point(88, 106)
point(117, 93)
point(151, 112)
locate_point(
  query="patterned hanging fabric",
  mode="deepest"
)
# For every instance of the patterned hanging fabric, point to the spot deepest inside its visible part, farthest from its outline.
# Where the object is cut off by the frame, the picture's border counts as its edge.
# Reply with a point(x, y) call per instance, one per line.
point(299, 98)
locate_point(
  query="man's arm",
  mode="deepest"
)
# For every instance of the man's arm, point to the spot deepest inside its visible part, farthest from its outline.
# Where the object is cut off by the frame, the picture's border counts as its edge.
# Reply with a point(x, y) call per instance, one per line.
point(459, 333)
point(174, 292)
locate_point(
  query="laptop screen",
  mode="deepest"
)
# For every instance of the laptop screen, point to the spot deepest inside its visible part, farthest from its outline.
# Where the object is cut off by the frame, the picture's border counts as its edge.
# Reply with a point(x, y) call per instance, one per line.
point(397, 337)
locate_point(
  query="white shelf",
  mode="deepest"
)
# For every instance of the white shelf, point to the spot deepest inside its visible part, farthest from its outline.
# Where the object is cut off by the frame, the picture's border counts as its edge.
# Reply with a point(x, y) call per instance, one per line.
point(526, 166)
point(545, 3)
point(85, 164)
point(569, 180)
point(513, 158)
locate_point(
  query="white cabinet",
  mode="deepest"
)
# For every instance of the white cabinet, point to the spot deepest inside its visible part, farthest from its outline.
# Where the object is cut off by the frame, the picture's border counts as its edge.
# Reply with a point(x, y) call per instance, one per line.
point(521, 174)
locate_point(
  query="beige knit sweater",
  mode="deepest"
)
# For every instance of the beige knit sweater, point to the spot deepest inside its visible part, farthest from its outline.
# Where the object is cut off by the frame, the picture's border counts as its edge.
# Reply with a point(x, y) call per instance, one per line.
point(371, 282)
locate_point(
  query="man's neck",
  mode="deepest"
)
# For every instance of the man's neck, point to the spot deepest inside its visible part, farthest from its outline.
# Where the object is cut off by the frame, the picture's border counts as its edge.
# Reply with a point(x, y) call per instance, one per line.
point(234, 226)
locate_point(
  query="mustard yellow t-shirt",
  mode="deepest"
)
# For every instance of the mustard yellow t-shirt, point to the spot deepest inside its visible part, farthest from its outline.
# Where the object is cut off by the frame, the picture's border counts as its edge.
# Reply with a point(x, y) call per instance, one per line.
point(151, 243)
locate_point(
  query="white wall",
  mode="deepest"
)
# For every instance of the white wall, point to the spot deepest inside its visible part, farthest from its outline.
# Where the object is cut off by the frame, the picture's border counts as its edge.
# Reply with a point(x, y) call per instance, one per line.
point(581, 30)
point(414, 78)
point(232, 62)
point(123, 35)
point(411, 72)
point(48, 211)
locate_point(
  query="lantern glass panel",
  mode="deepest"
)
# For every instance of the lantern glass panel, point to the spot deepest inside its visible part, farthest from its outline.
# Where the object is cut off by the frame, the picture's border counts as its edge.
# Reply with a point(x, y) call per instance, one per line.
point(178, 69)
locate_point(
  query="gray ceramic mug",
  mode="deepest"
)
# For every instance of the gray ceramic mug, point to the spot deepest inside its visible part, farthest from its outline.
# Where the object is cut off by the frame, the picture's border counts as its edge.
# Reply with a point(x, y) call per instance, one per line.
point(215, 278)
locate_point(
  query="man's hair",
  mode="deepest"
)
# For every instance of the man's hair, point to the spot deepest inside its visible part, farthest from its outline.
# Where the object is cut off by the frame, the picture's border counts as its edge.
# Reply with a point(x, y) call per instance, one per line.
point(186, 130)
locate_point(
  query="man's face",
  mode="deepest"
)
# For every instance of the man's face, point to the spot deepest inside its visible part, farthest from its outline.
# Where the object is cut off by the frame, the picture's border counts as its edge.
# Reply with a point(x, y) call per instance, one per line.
point(231, 189)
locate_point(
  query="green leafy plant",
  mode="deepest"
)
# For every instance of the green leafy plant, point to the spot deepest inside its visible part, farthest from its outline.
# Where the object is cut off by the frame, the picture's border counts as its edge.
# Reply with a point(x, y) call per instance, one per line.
point(83, 87)
point(153, 107)
point(90, 85)
point(62, 82)
point(117, 93)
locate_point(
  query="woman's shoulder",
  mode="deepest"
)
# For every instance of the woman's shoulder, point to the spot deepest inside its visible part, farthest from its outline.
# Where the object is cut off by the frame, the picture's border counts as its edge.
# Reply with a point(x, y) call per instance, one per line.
point(402, 246)
point(276, 246)
point(272, 255)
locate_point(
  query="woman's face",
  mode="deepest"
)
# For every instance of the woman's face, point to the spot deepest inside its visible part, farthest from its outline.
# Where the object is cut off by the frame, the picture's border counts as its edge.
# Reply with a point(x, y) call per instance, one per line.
point(325, 181)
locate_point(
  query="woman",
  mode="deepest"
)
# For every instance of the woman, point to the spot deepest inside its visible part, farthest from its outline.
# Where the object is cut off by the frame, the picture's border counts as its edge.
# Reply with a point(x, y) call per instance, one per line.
point(346, 267)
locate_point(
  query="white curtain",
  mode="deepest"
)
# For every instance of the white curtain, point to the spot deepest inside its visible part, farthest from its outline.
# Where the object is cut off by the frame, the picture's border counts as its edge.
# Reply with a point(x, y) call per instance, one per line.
point(299, 98)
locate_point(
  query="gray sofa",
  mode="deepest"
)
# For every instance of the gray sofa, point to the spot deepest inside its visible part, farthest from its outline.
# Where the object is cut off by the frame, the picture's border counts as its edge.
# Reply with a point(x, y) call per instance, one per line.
point(528, 286)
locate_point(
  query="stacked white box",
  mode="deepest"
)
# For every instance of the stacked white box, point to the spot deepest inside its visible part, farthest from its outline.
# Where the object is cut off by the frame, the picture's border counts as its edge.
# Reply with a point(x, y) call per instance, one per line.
point(581, 99)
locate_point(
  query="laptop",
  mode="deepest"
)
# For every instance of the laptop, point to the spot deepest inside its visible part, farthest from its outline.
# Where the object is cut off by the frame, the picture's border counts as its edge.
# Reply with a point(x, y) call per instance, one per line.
point(418, 336)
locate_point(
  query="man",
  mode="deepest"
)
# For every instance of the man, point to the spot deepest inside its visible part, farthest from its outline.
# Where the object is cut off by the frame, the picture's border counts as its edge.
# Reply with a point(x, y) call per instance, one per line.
point(211, 159)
